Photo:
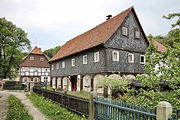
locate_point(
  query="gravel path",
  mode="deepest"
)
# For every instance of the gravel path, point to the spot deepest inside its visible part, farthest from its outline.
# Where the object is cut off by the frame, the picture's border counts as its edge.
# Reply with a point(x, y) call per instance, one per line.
point(3, 105)
point(34, 112)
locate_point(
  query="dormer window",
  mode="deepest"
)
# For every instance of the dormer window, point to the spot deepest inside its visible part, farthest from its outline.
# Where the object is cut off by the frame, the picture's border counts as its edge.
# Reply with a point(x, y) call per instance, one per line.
point(131, 58)
point(73, 62)
point(31, 58)
point(124, 31)
point(142, 59)
point(41, 59)
point(137, 34)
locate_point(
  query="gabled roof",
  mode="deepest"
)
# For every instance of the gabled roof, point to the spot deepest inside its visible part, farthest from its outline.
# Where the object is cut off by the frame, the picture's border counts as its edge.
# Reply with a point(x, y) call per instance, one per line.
point(94, 37)
point(35, 51)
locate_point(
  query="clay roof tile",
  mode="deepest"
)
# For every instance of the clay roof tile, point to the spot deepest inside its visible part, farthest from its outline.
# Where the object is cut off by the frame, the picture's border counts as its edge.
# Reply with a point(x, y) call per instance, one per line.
point(93, 37)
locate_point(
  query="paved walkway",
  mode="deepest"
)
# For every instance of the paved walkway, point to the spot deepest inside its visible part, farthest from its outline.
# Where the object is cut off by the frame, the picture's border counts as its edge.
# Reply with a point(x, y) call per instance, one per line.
point(34, 112)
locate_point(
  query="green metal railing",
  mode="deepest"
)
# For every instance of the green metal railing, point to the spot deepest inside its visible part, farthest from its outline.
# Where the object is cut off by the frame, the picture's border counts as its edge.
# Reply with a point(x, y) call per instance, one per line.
point(107, 109)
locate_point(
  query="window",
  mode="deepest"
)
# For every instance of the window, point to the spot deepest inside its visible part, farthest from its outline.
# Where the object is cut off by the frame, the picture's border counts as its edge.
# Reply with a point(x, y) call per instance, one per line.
point(57, 66)
point(131, 58)
point(31, 58)
point(65, 81)
point(142, 59)
point(26, 69)
point(73, 62)
point(86, 82)
point(137, 34)
point(96, 57)
point(35, 79)
point(41, 59)
point(52, 67)
point(85, 59)
point(124, 31)
point(35, 69)
point(25, 79)
point(46, 69)
point(115, 55)
point(45, 79)
point(63, 64)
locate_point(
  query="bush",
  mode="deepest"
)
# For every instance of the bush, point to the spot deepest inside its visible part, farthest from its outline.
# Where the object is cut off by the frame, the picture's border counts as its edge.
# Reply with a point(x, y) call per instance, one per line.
point(16, 110)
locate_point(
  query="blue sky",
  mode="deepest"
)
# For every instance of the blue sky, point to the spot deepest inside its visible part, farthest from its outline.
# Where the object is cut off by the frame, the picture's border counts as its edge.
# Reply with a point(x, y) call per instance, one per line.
point(50, 23)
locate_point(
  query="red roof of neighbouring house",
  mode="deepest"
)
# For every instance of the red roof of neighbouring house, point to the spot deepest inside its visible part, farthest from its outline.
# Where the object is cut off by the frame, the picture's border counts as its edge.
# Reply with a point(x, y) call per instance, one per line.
point(160, 47)
point(93, 37)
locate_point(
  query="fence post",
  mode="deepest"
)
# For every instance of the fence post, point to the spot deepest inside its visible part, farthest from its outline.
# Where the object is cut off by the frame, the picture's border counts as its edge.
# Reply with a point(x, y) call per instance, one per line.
point(164, 110)
point(92, 95)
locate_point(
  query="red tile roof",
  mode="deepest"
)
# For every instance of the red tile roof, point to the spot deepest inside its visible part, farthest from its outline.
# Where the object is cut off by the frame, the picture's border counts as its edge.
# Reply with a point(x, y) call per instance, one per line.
point(36, 50)
point(93, 37)
point(160, 48)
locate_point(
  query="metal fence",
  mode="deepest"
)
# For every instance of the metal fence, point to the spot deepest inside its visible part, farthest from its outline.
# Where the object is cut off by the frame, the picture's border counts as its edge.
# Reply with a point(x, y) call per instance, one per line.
point(107, 109)
point(73, 103)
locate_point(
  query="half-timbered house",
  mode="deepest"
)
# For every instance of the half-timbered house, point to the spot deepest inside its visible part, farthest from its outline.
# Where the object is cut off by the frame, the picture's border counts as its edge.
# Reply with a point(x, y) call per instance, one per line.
point(115, 46)
point(34, 67)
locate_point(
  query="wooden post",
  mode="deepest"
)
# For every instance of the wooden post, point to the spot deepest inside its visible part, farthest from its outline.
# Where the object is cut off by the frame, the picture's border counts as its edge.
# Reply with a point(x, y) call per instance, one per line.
point(164, 111)
point(92, 96)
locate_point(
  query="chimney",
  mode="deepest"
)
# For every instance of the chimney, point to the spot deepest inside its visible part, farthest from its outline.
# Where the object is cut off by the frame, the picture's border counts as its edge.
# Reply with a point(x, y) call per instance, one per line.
point(108, 17)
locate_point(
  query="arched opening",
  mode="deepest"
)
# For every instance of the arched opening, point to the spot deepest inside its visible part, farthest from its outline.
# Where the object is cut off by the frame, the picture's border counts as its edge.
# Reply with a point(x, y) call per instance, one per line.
point(35, 79)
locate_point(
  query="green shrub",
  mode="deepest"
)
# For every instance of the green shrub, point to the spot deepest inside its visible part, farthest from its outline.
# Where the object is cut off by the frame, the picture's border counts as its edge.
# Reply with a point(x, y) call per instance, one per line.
point(17, 110)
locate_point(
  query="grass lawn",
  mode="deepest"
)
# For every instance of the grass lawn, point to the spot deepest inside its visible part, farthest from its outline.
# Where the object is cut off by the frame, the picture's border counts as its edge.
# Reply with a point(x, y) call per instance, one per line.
point(16, 110)
point(81, 94)
point(52, 110)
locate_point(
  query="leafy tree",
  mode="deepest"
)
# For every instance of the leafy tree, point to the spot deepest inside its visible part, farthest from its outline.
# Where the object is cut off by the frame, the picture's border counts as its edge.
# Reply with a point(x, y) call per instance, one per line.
point(13, 41)
point(114, 84)
point(160, 67)
point(52, 52)
point(172, 15)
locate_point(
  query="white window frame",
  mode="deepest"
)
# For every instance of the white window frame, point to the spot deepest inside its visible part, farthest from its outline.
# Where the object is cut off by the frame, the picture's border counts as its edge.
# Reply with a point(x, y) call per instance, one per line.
point(96, 57)
point(31, 58)
point(73, 62)
point(125, 31)
point(117, 52)
point(144, 59)
point(63, 64)
point(65, 81)
point(130, 54)
point(35, 69)
point(137, 37)
point(52, 67)
point(84, 59)
point(57, 66)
